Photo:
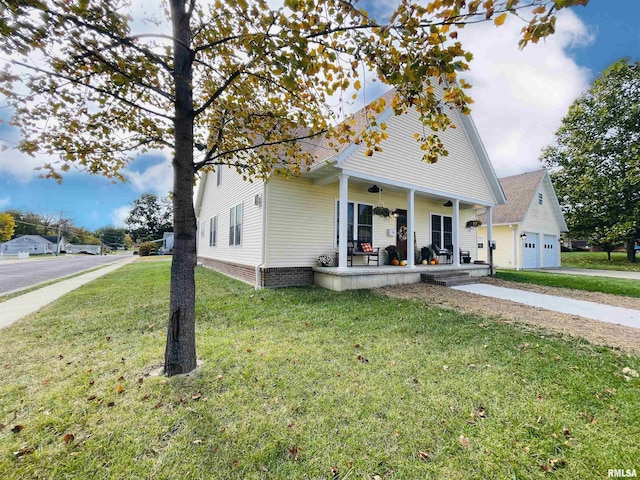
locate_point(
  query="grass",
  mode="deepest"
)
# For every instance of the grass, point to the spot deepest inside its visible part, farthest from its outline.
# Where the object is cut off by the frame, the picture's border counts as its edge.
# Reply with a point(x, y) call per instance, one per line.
point(598, 260)
point(297, 382)
point(614, 286)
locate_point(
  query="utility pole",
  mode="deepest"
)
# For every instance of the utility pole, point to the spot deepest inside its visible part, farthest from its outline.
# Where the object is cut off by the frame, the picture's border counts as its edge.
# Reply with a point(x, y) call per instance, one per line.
point(59, 234)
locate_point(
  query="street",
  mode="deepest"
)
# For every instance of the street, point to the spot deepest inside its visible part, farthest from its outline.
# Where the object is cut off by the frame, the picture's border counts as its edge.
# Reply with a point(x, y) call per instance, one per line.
point(19, 274)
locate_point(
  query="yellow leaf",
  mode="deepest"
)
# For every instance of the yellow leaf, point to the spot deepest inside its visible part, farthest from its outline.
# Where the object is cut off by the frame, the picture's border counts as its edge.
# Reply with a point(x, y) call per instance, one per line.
point(540, 9)
point(499, 20)
point(119, 389)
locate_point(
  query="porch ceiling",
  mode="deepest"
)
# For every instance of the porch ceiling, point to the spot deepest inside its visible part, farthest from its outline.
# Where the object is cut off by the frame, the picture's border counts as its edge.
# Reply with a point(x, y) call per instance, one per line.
point(329, 174)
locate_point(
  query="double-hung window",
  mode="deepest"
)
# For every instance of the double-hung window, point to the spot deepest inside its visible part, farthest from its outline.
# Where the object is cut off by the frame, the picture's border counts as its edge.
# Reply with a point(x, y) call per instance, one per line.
point(219, 175)
point(213, 231)
point(359, 222)
point(235, 225)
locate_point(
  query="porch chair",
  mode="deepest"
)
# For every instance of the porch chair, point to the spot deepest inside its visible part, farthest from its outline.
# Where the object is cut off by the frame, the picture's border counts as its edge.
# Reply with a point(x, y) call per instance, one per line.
point(361, 249)
point(465, 256)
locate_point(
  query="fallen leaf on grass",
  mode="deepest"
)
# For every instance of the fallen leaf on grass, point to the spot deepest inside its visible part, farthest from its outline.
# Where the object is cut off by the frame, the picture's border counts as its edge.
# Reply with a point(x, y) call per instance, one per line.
point(23, 451)
point(464, 441)
point(119, 388)
point(196, 396)
point(91, 397)
point(361, 359)
point(68, 438)
point(425, 456)
point(334, 471)
point(293, 453)
point(111, 404)
point(46, 381)
point(17, 428)
point(630, 372)
point(2, 425)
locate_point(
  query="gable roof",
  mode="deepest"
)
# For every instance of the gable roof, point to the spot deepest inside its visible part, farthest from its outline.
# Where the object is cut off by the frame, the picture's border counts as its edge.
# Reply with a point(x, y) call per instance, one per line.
point(325, 154)
point(520, 191)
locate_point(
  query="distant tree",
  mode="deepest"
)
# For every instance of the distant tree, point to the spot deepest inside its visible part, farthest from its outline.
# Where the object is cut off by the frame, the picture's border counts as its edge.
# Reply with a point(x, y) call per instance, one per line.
point(237, 83)
point(7, 226)
point(128, 241)
point(30, 223)
point(595, 161)
point(150, 217)
point(112, 236)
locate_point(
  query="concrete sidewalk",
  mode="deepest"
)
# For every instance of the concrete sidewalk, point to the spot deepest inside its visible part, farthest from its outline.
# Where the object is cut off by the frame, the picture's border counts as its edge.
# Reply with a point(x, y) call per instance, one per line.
point(595, 311)
point(13, 310)
point(591, 272)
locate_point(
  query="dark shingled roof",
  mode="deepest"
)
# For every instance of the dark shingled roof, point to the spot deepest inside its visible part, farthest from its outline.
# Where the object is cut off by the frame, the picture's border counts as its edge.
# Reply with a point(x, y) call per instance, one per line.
point(519, 190)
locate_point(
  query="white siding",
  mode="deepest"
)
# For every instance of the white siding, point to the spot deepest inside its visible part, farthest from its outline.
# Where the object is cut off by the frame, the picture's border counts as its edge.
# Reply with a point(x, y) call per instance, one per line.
point(458, 174)
point(301, 220)
point(218, 200)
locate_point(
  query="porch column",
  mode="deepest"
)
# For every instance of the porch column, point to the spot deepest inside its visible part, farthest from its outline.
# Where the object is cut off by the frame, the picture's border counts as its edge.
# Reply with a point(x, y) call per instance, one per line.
point(456, 232)
point(411, 259)
point(490, 238)
point(343, 213)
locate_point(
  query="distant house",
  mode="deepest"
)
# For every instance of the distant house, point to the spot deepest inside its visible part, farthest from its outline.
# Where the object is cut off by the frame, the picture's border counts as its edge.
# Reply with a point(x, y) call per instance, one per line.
point(527, 229)
point(34, 244)
point(92, 249)
point(167, 241)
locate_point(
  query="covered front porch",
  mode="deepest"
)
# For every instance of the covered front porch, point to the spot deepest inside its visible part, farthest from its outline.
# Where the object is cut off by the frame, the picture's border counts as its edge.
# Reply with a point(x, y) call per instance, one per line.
point(357, 277)
point(420, 217)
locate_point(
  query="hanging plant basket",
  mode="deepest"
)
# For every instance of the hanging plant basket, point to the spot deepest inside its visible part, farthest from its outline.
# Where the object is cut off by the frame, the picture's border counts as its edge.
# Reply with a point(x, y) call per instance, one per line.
point(473, 224)
point(382, 211)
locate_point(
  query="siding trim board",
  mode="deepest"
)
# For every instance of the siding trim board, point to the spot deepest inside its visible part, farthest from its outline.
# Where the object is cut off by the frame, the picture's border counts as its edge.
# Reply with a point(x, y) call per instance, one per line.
point(407, 186)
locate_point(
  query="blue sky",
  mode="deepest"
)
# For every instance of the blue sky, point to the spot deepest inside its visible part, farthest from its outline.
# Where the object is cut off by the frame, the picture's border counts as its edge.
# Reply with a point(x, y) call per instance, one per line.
point(520, 98)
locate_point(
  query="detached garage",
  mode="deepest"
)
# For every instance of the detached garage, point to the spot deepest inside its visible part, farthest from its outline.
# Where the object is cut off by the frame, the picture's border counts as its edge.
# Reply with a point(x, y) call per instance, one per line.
point(527, 229)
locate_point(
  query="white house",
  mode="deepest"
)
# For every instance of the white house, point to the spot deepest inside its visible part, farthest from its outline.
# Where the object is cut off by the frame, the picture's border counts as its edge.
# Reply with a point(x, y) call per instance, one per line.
point(527, 229)
point(271, 233)
point(34, 244)
point(92, 249)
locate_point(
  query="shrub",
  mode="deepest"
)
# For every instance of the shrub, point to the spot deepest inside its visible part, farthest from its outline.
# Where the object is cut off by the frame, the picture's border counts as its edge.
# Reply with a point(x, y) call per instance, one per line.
point(148, 248)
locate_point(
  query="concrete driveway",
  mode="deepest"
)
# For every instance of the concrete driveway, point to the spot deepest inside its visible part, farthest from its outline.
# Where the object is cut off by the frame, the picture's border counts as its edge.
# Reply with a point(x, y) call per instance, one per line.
point(592, 273)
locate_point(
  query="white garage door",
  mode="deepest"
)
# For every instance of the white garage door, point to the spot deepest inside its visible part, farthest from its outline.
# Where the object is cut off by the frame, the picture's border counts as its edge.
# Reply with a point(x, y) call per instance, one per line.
point(550, 251)
point(531, 251)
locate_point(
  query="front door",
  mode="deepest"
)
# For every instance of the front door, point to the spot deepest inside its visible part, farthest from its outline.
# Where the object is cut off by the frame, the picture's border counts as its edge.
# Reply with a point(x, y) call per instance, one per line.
point(401, 233)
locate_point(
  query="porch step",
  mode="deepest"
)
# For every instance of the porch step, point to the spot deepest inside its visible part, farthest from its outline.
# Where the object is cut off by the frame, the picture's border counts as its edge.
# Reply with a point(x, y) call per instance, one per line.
point(448, 279)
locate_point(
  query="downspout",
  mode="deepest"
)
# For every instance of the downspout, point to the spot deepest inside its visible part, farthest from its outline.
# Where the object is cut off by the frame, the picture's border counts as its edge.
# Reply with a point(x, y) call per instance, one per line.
point(263, 252)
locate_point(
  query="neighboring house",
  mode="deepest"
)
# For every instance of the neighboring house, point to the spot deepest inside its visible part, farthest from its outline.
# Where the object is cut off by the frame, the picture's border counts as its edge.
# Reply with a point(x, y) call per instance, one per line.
point(92, 249)
point(34, 244)
point(167, 241)
point(64, 246)
point(527, 229)
point(271, 233)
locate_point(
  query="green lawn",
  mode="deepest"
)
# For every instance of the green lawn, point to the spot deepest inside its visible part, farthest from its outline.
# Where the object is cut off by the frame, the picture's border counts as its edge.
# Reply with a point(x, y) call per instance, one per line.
point(297, 382)
point(598, 260)
point(614, 286)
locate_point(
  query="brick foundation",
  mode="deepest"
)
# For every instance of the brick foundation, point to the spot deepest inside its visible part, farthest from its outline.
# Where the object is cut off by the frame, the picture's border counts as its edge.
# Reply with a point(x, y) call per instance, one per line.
point(273, 277)
point(286, 276)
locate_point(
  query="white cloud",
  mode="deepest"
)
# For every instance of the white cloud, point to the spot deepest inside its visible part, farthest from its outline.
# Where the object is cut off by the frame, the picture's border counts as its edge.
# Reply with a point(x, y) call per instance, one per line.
point(521, 96)
point(157, 178)
point(5, 202)
point(119, 215)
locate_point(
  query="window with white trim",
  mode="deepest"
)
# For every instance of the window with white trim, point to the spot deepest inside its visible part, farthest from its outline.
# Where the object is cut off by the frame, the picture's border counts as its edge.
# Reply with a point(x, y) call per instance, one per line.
point(235, 225)
point(539, 198)
point(359, 222)
point(219, 175)
point(213, 231)
point(441, 231)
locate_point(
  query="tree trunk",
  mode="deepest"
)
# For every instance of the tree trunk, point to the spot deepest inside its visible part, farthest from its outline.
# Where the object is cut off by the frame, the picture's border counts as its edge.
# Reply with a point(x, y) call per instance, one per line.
point(180, 353)
point(631, 254)
point(609, 255)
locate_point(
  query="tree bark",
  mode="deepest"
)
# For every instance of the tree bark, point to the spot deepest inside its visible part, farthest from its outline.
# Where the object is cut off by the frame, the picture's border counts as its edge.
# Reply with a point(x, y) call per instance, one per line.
point(180, 353)
point(631, 254)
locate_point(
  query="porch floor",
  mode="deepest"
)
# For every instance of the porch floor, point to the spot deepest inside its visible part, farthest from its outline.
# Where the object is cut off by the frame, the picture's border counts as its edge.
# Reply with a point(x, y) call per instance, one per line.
point(373, 276)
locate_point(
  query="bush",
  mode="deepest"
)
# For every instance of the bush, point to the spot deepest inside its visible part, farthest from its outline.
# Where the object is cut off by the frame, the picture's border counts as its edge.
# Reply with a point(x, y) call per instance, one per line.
point(148, 248)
